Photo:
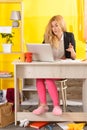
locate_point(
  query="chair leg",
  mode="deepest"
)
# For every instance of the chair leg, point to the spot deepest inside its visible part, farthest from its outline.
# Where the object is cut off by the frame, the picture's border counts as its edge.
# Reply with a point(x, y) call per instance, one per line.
point(64, 95)
point(63, 100)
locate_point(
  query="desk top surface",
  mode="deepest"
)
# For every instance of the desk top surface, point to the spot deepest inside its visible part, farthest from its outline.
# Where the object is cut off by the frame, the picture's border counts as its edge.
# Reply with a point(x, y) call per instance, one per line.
point(58, 62)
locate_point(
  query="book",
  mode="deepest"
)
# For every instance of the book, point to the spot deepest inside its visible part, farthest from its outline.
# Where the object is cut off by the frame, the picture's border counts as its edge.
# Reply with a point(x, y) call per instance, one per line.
point(38, 124)
point(5, 74)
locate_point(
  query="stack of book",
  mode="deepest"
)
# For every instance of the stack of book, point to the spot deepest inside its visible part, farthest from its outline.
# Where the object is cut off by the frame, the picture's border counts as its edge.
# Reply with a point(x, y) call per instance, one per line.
point(5, 74)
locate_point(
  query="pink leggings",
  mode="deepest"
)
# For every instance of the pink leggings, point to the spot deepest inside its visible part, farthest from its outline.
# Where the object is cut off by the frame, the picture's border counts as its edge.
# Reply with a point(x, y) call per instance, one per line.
point(41, 85)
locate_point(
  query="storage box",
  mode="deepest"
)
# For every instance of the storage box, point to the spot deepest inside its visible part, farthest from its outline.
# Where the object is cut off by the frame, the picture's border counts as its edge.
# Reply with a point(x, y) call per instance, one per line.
point(7, 115)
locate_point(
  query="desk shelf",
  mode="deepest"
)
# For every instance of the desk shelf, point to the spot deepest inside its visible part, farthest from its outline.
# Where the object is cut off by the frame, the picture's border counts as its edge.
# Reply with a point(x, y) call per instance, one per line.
point(29, 88)
point(48, 116)
point(30, 102)
point(29, 93)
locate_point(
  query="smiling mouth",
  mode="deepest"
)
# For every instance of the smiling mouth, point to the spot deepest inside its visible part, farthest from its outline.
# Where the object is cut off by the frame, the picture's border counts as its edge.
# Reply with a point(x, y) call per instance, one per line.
point(55, 32)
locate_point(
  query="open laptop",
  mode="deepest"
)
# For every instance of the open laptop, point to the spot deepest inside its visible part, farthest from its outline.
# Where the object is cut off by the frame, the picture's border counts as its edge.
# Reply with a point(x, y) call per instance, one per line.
point(41, 52)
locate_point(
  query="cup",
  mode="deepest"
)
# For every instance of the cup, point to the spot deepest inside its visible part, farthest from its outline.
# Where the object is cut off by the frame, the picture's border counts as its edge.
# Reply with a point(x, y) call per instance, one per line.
point(28, 56)
point(22, 57)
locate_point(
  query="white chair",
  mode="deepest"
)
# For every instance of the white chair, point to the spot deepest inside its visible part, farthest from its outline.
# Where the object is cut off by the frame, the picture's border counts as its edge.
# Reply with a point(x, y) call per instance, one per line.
point(62, 88)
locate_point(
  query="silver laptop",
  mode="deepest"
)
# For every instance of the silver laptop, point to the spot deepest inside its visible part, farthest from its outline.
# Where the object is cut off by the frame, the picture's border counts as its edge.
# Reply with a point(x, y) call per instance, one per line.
point(41, 52)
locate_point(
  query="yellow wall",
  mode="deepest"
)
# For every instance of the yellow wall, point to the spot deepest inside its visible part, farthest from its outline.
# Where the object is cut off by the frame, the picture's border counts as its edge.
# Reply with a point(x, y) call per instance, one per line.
point(38, 12)
point(36, 15)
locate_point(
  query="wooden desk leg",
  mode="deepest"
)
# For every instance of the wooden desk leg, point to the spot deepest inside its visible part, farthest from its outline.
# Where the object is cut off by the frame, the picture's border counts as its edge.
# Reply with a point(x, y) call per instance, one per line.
point(16, 98)
point(84, 95)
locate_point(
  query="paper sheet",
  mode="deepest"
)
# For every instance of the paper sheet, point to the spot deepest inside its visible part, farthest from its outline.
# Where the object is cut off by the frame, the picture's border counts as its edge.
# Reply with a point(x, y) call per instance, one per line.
point(5, 29)
point(64, 125)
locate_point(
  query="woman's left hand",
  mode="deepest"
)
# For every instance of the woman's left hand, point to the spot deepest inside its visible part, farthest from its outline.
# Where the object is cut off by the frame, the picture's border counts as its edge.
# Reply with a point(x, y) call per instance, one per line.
point(70, 49)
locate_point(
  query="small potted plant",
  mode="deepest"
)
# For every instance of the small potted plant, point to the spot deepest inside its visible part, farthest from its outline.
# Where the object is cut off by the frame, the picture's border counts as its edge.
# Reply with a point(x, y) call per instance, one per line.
point(7, 42)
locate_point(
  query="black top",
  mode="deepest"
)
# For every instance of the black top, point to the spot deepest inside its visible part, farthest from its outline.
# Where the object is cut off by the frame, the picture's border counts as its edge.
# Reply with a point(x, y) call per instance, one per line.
point(68, 38)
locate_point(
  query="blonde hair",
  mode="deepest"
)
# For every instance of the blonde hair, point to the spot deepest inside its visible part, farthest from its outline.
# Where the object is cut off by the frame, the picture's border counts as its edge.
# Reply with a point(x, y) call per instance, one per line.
point(49, 37)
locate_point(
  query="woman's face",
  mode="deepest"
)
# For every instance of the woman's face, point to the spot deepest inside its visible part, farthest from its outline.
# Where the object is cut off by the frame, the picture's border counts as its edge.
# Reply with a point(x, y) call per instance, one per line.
point(56, 29)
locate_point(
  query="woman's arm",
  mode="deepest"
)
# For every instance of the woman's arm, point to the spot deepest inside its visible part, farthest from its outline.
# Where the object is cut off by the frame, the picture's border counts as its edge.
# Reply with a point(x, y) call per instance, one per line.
point(70, 46)
point(72, 51)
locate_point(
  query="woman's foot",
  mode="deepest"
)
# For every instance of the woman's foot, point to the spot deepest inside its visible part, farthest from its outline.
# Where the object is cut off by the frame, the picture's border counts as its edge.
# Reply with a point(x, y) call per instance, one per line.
point(40, 110)
point(57, 111)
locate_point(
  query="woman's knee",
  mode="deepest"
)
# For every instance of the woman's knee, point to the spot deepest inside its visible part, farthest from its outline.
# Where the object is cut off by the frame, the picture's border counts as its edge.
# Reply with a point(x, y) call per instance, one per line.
point(48, 81)
point(39, 80)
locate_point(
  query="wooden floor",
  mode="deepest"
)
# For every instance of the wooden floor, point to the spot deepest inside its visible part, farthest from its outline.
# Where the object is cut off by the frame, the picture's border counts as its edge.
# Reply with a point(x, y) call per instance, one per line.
point(12, 127)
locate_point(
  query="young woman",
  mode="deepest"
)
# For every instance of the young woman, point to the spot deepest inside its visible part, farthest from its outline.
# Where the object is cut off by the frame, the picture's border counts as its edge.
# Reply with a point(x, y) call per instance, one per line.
point(63, 46)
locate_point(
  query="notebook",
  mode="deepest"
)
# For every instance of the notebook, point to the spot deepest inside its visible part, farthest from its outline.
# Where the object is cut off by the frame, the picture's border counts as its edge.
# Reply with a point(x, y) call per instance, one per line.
point(41, 52)
point(38, 124)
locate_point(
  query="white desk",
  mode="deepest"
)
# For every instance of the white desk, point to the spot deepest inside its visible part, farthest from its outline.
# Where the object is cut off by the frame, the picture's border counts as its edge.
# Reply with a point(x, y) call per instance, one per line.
point(62, 69)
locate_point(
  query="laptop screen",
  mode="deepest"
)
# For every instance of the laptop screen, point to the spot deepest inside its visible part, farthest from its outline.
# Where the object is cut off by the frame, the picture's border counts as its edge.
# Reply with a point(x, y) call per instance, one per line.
point(41, 52)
